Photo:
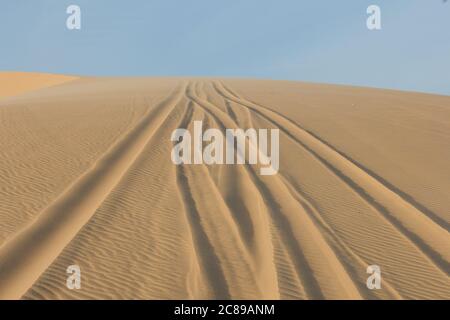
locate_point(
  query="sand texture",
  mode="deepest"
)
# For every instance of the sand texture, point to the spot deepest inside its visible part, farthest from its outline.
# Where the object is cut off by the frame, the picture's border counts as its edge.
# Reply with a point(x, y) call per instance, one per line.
point(86, 178)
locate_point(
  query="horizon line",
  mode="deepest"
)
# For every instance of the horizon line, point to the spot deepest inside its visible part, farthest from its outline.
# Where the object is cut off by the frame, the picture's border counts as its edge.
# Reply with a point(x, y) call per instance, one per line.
point(340, 84)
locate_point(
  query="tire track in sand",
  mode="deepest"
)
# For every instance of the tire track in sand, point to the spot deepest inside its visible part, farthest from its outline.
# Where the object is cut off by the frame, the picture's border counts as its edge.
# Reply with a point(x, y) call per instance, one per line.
point(343, 252)
point(203, 248)
point(306, 245)
point(25, 256)
point(427, 235)
point(213, 218)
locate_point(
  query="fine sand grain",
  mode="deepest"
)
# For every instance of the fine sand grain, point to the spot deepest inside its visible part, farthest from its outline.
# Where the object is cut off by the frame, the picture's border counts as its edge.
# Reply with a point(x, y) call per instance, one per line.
point(86, 178)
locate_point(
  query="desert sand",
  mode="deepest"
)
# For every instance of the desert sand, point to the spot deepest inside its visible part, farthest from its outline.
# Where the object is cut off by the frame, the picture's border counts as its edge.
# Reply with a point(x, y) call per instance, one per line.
point(86, 179)
point(14, 83)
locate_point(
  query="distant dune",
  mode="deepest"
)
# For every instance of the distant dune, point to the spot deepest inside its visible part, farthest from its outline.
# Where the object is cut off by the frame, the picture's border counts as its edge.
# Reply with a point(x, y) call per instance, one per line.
point(86, 178)
point(14, 83)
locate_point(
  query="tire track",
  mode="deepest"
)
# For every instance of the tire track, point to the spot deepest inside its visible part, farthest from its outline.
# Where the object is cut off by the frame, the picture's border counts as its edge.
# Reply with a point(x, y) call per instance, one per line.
point(430, 238)
point(300, 245)
point(204, 250)
point(405, 196)
point(311, 287)
point(338, 244)
point(25, 256)
point(240, 271)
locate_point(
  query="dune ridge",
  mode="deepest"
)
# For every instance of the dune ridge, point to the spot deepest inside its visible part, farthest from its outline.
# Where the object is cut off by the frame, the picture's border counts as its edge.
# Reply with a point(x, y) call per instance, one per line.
point(141, 227)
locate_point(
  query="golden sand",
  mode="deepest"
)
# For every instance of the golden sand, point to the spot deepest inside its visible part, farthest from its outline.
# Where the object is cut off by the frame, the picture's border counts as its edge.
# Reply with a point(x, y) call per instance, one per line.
point(86, 178)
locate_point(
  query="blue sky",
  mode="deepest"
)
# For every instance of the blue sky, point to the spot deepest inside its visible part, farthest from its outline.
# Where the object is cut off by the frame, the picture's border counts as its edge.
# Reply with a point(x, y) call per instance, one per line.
point(320, 41)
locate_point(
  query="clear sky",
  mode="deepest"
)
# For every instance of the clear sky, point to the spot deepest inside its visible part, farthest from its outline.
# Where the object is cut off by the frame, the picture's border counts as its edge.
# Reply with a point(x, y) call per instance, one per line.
point(320, 41)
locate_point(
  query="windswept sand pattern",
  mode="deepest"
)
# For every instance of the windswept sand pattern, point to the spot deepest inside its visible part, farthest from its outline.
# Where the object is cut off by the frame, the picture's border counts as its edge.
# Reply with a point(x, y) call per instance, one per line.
point(105, 195)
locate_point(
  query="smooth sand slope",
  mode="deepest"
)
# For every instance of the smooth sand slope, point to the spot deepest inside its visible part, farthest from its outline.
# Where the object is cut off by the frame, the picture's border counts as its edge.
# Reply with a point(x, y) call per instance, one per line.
point(86, 178)
point(14, 83)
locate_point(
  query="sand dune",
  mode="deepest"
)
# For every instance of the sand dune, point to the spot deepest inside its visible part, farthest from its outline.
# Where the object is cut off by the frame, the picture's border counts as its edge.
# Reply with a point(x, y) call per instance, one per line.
point(14, 83)
point(86, 178)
